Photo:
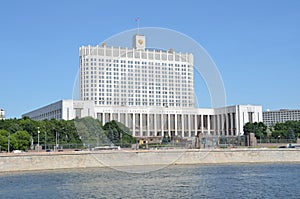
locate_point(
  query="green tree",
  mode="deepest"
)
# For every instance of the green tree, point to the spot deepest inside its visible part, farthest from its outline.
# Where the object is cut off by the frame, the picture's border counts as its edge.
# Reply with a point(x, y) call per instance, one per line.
point(258, 128)
point(21, 139)
point(7, 138)
point(3, 139)
point(291, 134)
point(248, 128)
point(91, 132)
point(119, 134)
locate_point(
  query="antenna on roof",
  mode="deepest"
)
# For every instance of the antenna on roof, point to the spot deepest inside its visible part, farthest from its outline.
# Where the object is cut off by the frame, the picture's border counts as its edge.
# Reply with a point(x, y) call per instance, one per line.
point(137, 19)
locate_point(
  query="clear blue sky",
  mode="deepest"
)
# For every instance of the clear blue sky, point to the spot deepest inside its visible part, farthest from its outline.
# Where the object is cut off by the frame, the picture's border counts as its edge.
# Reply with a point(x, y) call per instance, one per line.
point(254, 43)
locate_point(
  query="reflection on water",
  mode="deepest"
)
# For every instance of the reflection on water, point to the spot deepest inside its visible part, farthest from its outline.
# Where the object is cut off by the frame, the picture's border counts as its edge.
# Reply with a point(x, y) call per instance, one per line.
point(185, 181)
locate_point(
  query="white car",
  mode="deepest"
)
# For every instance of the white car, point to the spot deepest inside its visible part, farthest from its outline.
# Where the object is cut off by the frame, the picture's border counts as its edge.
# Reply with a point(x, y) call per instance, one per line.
point(17, 151)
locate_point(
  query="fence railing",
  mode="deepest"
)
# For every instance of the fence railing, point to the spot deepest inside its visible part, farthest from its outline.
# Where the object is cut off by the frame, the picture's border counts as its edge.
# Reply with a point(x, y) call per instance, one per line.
point(271, 140)
point(210, 142)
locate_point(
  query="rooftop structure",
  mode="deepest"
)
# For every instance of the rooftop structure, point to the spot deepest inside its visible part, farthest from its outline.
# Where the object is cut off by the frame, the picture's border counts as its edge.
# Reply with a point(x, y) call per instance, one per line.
point(2, 114)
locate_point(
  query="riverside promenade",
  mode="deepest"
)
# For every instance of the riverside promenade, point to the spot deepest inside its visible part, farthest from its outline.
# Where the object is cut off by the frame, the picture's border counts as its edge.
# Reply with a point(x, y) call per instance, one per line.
point(128, 158)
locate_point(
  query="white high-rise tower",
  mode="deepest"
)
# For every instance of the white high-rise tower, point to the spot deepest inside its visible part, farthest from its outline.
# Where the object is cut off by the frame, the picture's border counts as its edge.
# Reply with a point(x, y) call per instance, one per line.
point(137, 76)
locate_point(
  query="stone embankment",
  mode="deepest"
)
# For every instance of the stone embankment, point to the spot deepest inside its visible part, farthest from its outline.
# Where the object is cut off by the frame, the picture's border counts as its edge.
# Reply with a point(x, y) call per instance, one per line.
point(122, 158)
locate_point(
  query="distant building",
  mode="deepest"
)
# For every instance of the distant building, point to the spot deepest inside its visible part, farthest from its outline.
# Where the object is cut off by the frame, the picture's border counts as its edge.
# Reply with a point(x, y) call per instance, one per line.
point(2, 114)
point(270, 118)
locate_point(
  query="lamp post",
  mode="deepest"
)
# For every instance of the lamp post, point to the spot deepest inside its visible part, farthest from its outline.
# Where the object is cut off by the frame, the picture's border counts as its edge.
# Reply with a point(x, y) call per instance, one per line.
point(38, 139)
point(121, 135)
point(8, 144)
point(97, 138)
point(56, 139)
point(45, 140)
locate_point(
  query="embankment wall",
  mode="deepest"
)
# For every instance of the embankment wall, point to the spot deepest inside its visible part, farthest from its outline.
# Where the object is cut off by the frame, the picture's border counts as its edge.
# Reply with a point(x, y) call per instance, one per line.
point(68, 160)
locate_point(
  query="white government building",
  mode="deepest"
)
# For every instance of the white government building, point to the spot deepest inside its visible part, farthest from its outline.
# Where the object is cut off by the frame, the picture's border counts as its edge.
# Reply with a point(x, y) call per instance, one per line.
point(151, 91)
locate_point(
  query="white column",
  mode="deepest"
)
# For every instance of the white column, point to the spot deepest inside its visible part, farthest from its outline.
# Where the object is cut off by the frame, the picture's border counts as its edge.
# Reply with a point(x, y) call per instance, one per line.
point(227, 122)
point(231, 124)
point(103, 118)
point(110, 116)
point(133, 124)
point(176, 133)
point(155, 125)
point(195, 125)
point(189, 125)
point(215, 126)
point(169, 124)
point(182, 125)
point(202, 128)
point(148, 124)
point(222, 124)
point(162, 124)
point(208, 124)
point(141, 124)
point(218, 125)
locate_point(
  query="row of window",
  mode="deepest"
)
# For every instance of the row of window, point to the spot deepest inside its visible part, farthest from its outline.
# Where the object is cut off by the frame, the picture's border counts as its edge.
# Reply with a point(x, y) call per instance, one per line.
point(91, 60)
point(143, 104)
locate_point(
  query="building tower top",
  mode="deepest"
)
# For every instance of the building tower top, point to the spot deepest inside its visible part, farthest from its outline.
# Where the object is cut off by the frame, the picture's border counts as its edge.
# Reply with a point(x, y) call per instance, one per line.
point(139, 42)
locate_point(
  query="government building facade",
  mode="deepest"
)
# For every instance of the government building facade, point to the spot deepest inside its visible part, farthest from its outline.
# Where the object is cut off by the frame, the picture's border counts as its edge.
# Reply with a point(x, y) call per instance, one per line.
point(151, 91)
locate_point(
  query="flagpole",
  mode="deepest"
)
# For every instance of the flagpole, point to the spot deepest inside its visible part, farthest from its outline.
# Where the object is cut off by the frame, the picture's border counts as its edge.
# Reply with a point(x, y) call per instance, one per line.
point(138, 24)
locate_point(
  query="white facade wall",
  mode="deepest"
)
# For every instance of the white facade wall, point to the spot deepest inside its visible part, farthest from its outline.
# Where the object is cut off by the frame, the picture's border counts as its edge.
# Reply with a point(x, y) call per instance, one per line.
point(182, 122)
point(158, 121)
point(63, 109)
point(115, 76)
point(232, 119)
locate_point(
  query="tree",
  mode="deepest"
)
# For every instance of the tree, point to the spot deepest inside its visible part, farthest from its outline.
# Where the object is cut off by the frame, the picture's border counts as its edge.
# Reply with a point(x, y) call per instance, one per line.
point(291, 134)
point(3, 140)
point(287, 130)
point(118, 133)
point(91, 131)
point(85, 130)
point(21, 139)
point(248, 128)
point(258, 128)
point(7, 138)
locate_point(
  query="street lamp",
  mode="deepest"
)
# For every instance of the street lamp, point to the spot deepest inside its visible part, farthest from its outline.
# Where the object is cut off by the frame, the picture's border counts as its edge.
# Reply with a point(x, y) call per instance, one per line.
point(38, 139)
point(45, 140)
point(97, 138)
point(56, 140)
point(8, 144)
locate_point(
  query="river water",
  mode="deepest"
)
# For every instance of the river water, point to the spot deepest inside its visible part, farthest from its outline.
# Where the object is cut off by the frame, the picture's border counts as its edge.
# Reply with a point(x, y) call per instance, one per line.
point(184, 181)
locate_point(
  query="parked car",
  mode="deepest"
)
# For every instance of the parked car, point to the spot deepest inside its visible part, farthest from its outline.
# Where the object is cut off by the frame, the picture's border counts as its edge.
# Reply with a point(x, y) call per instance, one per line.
point(77, 149)
point(17, 151)
point(282, 147)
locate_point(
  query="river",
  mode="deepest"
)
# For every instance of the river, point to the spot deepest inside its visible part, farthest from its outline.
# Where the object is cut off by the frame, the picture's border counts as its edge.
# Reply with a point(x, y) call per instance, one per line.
point(177, 181)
